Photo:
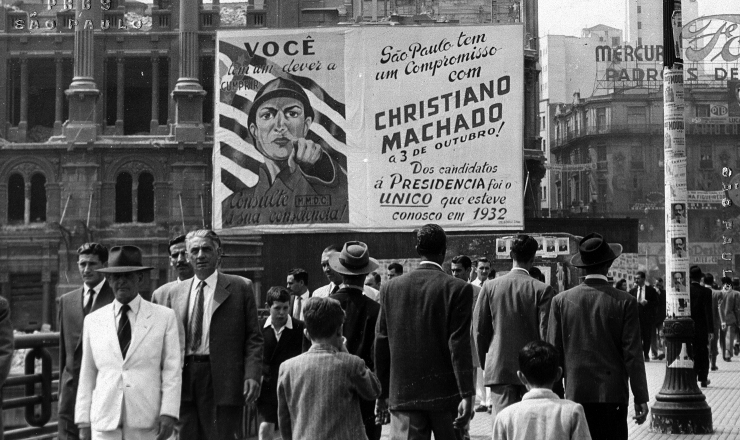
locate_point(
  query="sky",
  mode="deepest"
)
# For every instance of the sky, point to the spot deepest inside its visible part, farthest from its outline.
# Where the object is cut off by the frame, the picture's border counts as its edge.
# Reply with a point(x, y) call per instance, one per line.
point(568, 17)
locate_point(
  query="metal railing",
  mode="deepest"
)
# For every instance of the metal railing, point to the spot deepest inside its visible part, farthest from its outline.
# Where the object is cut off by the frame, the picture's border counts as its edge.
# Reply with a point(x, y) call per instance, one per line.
point(38, 423)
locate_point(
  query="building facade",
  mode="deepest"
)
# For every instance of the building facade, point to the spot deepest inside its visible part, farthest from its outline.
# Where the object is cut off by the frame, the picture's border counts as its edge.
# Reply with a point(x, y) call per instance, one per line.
point(106, 129)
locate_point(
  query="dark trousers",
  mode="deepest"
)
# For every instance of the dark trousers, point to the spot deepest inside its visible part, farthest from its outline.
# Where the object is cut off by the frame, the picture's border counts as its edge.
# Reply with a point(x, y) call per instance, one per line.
point(646, 333)
point(67, 430)
point(419, 425)
point(700, 354)
point(606, 421)
point(200, 418)
point(367, 410)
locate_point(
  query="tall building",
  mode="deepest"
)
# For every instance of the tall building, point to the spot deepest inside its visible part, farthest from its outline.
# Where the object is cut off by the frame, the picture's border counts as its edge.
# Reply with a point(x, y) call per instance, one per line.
point(643, 24)
point(106, 133)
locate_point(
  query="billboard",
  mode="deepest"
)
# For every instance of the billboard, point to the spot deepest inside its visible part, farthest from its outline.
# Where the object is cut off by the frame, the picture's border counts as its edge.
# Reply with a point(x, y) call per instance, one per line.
point(369, 128)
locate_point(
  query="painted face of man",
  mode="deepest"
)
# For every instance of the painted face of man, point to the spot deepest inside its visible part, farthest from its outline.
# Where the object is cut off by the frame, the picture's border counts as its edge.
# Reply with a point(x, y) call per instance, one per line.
point(279, 121)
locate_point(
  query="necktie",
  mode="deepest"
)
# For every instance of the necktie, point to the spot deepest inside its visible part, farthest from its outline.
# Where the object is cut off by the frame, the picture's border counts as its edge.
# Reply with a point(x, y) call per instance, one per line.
point(297, 310)
point(335, 289)
point(196, 320)
point(640, 294)
point(90, 299)
point(124, 330)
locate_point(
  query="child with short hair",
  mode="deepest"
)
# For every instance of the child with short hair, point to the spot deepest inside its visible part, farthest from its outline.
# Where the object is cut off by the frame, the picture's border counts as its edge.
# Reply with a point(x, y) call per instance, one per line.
point(541, 413)
point(283, 336)
point(319, 391)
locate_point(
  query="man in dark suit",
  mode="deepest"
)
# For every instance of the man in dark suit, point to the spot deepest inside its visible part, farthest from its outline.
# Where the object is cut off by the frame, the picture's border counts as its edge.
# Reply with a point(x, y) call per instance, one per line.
point(647, 302)
point(220, 334)
point(297, 283)
point(73, 307)
point(596, 328)
point(657, 341)
point(701, 313)
point(422, 346)
point(513, 311)
point(283, 337)
point(361, 315)
point(179, 261)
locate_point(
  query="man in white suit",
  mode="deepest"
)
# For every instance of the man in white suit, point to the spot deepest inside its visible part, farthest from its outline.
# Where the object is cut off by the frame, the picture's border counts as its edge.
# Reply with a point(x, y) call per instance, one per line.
point(131, 373)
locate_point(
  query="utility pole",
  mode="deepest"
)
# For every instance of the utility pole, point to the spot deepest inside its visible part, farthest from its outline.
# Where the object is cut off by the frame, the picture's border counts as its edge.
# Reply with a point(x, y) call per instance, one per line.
point(680, 406)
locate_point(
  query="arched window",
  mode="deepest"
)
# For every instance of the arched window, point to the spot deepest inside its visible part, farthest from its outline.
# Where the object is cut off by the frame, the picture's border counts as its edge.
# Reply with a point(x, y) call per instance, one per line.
point(124, 205)
point(38, 198)
point(16, 198)
point(145, 198)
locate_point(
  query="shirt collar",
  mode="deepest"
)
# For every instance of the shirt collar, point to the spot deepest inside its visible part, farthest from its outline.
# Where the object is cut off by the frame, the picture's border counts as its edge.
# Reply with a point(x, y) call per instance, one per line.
point(210, 281)
point(288, 324)
point(323, 347)
point(540, 393)
point(97, 288)
point(520, 268)
point(597, 277)
point(134, 305)
point(432, 263)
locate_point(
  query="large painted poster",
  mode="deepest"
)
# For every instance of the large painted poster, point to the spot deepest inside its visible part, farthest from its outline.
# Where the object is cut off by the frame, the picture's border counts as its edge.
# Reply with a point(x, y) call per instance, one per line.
point(369, 128)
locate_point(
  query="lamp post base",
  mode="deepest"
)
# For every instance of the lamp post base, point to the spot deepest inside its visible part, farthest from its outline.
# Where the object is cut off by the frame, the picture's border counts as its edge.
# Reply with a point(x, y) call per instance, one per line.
point(681, 407)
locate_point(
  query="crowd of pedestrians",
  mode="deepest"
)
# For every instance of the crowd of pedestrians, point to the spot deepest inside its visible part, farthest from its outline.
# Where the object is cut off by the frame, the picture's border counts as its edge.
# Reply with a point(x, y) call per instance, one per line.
point(347, 358)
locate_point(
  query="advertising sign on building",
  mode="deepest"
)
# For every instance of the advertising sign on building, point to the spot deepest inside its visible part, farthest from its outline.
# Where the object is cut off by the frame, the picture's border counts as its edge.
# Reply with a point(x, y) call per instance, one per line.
point(369, 128)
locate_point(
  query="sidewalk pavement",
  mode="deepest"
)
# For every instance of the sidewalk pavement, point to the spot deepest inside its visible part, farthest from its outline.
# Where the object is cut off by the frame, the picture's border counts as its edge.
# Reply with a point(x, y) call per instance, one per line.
point(723, 396)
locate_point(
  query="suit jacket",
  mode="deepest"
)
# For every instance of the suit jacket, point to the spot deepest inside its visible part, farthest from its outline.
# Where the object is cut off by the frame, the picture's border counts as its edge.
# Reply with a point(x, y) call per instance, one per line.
point(319, 395)
point(165, 290)
point(361, 315)
point(70, 343)
point(513, 311)
point(235, 338)
point(473, 326)
point(275, 353)
point(597, 330)
point(147, 382)
point(6, 341)
point(731, 308)
point(701, 310)
point(647, 312)
point(422, 342)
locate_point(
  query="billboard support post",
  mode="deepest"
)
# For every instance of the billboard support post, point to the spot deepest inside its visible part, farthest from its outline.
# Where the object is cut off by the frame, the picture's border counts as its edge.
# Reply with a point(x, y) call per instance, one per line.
point(680, 407)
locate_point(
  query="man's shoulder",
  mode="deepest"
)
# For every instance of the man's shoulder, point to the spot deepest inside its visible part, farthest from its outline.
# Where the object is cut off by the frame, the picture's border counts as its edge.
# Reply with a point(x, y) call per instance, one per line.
point(158, 309)
point(229, 281)
point(71, 294)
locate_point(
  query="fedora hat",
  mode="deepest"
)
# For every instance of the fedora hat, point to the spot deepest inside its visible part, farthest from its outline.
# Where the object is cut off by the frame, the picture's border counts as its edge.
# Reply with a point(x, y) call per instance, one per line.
point(594, 250)
point(353, 260)
point(124, 259)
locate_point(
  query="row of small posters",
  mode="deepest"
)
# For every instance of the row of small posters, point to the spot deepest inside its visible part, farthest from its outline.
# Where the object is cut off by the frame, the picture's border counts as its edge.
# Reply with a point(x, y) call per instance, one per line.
point(547, 247)
point(677, 265)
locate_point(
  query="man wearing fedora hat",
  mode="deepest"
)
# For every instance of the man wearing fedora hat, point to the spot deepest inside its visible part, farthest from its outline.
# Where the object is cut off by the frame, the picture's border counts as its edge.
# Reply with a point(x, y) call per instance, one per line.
point(701, 312)
point(130, 377)
point(361, 314)
point(596, 328)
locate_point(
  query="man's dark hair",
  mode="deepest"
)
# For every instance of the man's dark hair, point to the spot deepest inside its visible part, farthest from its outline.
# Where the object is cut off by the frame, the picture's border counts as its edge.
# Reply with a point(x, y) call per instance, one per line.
point(431, 240)
point(397, 267)
point(277, 293)
point(323, 316)
point(177, 240)
point(535, 273)
point(726, 280)
point(463, 260)
point(376, 276)
point(641, 274)
point(523, 248)
point(299, 275)
point(481, 260)
point(93, 248)
point(539, 362)
point(332, 248)
point(708, 279)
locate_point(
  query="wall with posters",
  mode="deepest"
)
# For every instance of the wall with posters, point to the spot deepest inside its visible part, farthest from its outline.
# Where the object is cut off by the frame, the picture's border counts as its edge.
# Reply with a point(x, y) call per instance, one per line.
point(369, 128)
